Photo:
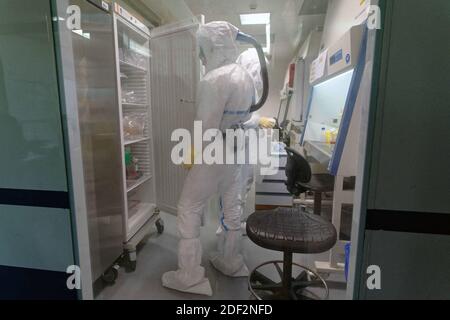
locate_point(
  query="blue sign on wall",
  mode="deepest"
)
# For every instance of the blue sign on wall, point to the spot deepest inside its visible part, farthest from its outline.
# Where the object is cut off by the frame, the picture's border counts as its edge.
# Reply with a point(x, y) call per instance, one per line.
point(336, 57)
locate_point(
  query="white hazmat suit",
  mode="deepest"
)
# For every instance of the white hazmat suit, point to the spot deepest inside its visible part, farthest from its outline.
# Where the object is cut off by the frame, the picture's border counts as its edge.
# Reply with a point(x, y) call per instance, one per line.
point(249, 60)
point(223, 102)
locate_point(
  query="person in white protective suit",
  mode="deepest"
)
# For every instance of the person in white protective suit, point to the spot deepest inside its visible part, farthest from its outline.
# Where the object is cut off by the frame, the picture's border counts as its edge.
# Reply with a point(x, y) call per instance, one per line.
point(224, 100)
point(249, 60)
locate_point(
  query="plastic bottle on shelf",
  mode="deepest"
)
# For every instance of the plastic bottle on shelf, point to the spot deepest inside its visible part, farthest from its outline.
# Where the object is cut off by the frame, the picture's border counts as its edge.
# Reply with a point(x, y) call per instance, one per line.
point(334, 136)
point(323, 135)
point(328, 137)
point(132, 165)
point(128, 161)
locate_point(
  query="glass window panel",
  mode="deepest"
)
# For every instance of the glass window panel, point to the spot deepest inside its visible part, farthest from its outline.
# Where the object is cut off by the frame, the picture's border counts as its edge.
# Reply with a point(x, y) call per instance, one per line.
point(31, 143)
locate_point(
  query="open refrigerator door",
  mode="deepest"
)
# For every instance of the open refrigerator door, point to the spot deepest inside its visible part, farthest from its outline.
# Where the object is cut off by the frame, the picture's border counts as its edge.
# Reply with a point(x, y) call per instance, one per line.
point(175, 75)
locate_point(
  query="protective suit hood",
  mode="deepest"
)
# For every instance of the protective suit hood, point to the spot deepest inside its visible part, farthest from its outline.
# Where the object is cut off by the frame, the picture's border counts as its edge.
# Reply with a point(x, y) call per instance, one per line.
point(218, 44)
point(249, 60)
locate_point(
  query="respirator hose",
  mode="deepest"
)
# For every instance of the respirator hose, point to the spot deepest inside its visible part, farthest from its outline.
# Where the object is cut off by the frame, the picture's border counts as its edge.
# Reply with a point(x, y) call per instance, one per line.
point(242, 37)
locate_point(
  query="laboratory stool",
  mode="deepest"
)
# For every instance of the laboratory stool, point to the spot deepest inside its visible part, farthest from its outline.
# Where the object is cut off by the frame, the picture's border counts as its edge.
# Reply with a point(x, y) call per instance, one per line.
point(289, 230)
point(301, 180)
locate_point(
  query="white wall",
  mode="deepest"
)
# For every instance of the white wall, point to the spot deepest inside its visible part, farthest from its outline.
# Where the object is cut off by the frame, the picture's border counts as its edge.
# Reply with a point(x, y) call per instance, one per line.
point(308, 52)
point(277, 75)
point(341, 16)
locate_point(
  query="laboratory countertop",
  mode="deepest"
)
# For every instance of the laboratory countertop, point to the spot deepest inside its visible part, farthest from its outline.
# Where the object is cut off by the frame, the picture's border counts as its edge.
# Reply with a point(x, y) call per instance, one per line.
point(326, 150)
point(317, 166)
point(320, 151)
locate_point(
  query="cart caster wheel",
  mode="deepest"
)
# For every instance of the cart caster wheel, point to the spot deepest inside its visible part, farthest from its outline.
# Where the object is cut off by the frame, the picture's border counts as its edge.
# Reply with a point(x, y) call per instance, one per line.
point(160, 226)
point(110, 276)
point(130, 262)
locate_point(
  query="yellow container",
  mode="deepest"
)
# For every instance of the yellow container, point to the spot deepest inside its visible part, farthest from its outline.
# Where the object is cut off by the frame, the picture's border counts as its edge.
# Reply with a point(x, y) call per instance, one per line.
point(328, 136)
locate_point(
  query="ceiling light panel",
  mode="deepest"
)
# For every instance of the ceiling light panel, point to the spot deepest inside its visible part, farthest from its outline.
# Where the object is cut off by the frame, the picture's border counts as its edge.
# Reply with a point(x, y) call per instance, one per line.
point(255, 18)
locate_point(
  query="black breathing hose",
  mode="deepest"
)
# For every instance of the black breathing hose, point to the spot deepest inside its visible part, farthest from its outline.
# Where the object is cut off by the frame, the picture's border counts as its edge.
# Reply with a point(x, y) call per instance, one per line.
point(242, 37)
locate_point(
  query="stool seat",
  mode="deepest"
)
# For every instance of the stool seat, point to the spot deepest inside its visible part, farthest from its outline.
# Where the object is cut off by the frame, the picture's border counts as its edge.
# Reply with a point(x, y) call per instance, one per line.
point(291, 230)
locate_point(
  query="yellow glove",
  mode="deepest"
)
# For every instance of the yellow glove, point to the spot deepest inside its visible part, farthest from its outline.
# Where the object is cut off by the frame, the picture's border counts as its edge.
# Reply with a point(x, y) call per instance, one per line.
point(189, 159)
point(267, 123)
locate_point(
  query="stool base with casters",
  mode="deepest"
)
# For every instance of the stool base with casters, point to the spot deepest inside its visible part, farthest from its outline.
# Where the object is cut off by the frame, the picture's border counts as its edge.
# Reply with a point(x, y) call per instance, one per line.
point(290, 288)
point(290, 231)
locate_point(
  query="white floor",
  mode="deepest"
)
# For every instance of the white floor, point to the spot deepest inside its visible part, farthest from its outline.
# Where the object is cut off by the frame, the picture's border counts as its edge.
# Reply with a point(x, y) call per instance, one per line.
point(159, 255)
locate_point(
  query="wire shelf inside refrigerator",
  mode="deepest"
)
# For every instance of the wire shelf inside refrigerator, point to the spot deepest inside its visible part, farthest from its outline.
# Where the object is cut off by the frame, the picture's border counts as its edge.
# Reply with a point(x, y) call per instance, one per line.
point(133, 61)
point(134, 89)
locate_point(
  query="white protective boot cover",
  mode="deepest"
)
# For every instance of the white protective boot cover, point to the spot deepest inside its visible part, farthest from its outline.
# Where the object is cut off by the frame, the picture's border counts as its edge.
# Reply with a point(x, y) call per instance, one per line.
point(228, 259)
point(190, 277)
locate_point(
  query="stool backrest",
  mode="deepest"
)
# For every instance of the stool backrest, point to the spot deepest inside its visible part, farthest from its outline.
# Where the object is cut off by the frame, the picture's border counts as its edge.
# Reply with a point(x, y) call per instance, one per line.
point(298, 172)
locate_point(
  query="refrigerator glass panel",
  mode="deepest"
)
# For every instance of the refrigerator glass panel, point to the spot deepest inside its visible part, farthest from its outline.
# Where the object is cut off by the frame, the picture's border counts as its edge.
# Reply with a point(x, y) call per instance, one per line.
point(90, 62)
point(31, 142)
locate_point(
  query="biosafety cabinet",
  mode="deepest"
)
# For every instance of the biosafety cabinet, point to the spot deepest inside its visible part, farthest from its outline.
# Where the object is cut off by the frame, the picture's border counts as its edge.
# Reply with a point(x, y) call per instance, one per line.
point(378, 112)
point(332, 131)
point(90, 97)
